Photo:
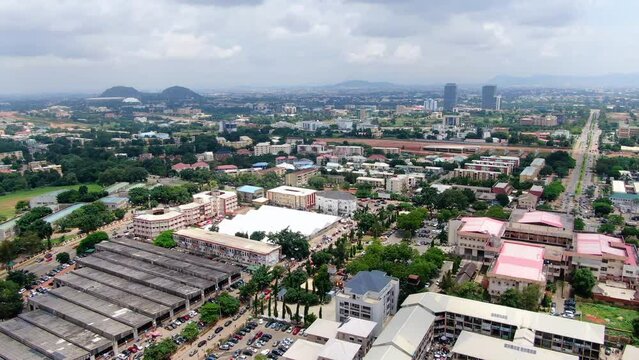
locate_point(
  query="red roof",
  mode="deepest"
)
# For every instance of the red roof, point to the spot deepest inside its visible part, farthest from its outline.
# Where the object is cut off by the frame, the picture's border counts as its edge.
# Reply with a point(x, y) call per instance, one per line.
point(226, 167)
point(541, 218)
point(180, 166)
point(200, 164)
point(243, 152)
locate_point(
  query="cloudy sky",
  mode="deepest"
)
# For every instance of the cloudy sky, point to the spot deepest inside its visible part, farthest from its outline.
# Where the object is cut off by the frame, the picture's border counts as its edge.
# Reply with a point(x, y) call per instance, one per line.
point(88, 45)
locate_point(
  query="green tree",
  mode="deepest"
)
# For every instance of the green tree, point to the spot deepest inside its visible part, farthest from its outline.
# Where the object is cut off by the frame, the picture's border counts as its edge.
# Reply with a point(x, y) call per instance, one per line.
point(530, 297)
point(511, 298)
point(309, 319)
point(411, 222)
point(210, 312)
point(190, 332)
point(635, 326)
point(616, 220)
point(89, 242)
point(165, 240)
point(7, 252)
point(228, 304)
point(10, 300)
point(606, 228)
point(294, 244)
point(447, 282)
point(161, 350)
point(469, 290)
point(502, 199)
point(322, 282)
point(553, 190)
point(262, 276)
point(22, 205)
point(22, 278)
point(63, 258)
point(579, 224)
point(583, 281)
point(258, 235)
point(317, 182)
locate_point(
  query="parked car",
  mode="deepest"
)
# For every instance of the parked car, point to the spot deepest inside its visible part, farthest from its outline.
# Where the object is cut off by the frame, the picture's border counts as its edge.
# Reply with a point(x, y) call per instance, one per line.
point(227, 323)
point(201, 343)
point(218, 330)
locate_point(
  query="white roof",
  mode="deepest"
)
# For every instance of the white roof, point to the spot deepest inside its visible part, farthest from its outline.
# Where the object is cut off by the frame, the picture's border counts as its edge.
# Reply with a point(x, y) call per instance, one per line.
point(290, 190)
point(164, 216)
point(323, 328)
point(303, 350)
point(630, 353)
point(618, 186)
point(335, 349)
point(271, 219)
point(357, 327)
point(386, 352)
point(232, 241)
point(491, 348)
point(438, 303)
point(407, 329)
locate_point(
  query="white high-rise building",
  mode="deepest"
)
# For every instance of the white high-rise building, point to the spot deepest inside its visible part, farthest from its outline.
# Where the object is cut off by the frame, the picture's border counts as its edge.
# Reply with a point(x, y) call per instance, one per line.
point(430, 105)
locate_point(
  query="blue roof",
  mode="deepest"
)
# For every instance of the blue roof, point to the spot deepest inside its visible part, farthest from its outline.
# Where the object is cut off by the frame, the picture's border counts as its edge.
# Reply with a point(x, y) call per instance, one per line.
point(113, 199)
point(260, 164)
point(366, 281)
point(62, 213)
point(249, 189)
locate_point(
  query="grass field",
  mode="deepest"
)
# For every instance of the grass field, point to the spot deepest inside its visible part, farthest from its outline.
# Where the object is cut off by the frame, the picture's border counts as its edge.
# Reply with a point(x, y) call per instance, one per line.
point(8, 202)
point(611, 316)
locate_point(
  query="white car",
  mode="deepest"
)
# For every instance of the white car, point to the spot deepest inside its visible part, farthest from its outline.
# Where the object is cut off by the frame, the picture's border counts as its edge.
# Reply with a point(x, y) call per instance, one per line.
point(264, 352)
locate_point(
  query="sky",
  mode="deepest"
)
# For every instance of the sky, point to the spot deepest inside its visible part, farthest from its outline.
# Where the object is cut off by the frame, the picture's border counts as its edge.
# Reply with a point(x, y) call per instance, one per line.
point(58, 46)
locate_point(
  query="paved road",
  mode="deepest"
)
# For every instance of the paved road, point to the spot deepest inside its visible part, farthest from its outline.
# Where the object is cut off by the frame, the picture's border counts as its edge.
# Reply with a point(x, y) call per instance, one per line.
point(585, 150)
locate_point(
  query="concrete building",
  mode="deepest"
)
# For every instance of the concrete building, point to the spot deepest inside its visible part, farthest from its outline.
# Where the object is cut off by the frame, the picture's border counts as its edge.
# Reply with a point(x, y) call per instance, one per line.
point(404, 182)
point(352, 331)
point(527, 201)
point(489, 97)
point(8, 229)
point(301, 177)
point(248, 193)
point(388, 150)
point(477, 174)
point(451, 121)
point(375, 183)
point(540, 227)
point(484, 165)
point(369, 295)
point(49, 199)
point(450, 96)
point(342, 151)
point(517, 266)
point(515, 161)
point(236, 248)
point(476, 238)
point(150, 225)
point(292, 197)
point(338, 203)
point(115, 202)
point(609, 258)
point(427, 316)
point(314, 148)
point(263, 148)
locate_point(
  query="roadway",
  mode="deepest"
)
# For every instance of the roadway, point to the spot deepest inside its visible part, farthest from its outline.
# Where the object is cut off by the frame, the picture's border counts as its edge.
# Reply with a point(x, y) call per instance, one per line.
point(585, 151)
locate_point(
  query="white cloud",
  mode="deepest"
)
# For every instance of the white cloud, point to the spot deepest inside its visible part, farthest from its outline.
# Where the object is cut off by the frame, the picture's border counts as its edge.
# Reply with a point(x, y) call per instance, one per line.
point(371, 51)
point(407, 53)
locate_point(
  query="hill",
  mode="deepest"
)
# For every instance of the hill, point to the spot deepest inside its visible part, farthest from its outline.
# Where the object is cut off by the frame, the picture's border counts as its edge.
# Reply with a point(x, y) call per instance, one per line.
point(121, 91)
point(179, 93)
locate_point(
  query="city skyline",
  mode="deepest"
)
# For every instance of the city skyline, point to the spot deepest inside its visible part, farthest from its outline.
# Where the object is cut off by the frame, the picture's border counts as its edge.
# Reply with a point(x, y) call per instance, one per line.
point(226, 44)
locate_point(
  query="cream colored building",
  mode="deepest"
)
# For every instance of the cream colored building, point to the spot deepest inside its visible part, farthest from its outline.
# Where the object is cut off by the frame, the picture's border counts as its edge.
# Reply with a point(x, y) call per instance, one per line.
point(292, 197)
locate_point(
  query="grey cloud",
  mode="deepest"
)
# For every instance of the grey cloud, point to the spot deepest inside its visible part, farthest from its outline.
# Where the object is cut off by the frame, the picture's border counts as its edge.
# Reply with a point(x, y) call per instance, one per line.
point(41, 43)
point(295, 24)
point(223, 3)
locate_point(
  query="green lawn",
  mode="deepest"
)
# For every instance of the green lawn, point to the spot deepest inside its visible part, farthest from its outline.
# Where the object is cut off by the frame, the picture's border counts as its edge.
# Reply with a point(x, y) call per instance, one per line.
point(611, 316)
point(8, 202)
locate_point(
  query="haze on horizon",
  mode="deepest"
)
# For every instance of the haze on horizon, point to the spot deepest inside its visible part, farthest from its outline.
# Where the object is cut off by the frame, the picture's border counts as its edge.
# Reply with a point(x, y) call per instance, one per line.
point(90, 45)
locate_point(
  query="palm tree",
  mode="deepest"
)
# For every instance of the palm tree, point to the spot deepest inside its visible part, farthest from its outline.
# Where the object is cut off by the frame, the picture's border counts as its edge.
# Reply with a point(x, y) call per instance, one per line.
point(276, 273)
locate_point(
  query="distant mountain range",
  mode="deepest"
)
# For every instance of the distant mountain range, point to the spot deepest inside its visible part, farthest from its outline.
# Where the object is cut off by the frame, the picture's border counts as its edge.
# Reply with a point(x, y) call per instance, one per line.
point(172, 93)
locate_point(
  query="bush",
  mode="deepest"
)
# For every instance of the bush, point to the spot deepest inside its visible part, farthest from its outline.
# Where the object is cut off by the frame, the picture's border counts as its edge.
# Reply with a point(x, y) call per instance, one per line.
point(165, 240)
point(88, 243)
point(582, 281)
point(63, 258)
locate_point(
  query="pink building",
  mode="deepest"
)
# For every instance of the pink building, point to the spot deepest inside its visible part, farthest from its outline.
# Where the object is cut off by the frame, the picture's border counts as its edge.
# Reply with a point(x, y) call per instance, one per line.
point(476, 238)
point(517, 266)
point(609, 258)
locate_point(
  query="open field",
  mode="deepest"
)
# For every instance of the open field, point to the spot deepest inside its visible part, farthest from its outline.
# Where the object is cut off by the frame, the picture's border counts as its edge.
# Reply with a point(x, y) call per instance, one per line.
point(8, 202)
point(610, 316)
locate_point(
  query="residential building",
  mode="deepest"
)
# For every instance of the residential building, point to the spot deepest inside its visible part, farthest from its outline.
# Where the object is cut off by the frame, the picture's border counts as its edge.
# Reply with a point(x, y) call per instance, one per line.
point(227, 126)
point(609, 258)
point(197, 165)
point(477, 174)
point(369, 295)
point(236, 248)
point(342, 151)
point(489, 97)
point(530, 173)
point(536, 190)
point(527, 201)
point(312, 126)
point(263, 148)
point(292, 197)
point(338, 203)
point(540, 227)
point(244, 141)
point(517, 266)
point(353, 331)
point(314, 148)
point(502, 188)
point(378, 166)
point(151, 224)
point(426, 316)
point(248, 193)
point(450, 96)
point(430, 105)
point(515, 161)
point(403, 182)
point(539, 120)
point(626, 199)
point(301, 177)
point(624, 132)
point(228, 169)
point(451, 121)
point(476, 238)
point(275, 149)
point(376, 183)
point(503, 168)
point(12, 154)
point(388, 150)
point(8, 229)
point(43, 166)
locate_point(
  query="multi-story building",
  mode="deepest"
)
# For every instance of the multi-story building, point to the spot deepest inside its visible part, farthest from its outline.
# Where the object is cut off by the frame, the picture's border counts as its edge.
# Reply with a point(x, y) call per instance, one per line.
point(376, 183)
point(451, 121)
point(244, 141)
point(338, 203)
point(625, 199)
point(301, 177)
point(280, 148)
point(504, 168)
point(262, 148)
point(540, 227)
point(369, 295)
point(450, 96)
point(502, 188)
point(476, 238)
point(314, 148)
point(427, 316)
point(388, 150)
point(515, 161)
point(537, 120)
point(627, 132)
point(150, 225)
point(239, 249)
point(489, 97)
point(312, 125)
point(12, 154)
point(248, 193)
point(517, 266)
point(477, 174)
point(527, 201)
point(342, 151)
point(609, 258)
point(292, 197)
point(403, 182)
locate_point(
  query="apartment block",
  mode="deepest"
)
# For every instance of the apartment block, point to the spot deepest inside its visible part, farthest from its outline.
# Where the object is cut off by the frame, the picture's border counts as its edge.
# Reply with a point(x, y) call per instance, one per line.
point(292, 197)
point(301, 177)
point(477, 174)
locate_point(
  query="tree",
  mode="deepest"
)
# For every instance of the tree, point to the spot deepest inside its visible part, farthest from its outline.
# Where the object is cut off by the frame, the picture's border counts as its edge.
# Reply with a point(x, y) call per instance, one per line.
point(412, 221)
point(635, 326)
point(502, 199)
point(322, 282)
point(89, 242)
point(22, 278)
point(161, 350)
point(43, 229)
point(294, 244)
point(579, 224)
point(7, 252)
point(469, 290)
point(583, 281)
point(228, 304)
point(511, 298)
point(210, 312)
point(165, 240)
point(553, 190)
point(258, 235)
point(63, 258)
point(190, 332)
point(530, 297)
point(616, 220)
point(22, 205)
point(606, 228)
point(28, 243)
point(261, 277)
point(10, 300)
point(317, 182)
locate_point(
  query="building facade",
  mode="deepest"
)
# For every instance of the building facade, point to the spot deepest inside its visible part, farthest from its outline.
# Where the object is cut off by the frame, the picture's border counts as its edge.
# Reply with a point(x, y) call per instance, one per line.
point(292, 197)
point(338, 203)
